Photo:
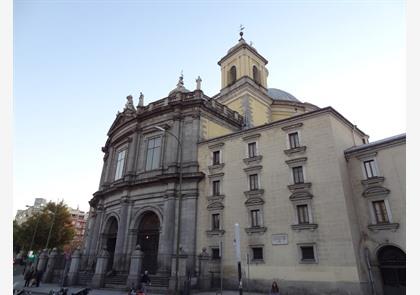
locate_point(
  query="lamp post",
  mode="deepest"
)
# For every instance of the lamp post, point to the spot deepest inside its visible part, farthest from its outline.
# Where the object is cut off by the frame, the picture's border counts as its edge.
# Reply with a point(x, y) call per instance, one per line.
point(178, 233)
point(52, 224)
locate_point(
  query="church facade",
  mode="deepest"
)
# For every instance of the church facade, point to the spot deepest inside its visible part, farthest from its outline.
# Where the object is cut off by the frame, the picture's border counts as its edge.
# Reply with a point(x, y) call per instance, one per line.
point(320, 209)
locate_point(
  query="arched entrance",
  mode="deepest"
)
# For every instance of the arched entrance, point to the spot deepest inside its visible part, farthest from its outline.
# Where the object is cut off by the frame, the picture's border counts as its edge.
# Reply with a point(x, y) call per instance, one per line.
point(148, 239)
point(110, 239)
point(392, 265)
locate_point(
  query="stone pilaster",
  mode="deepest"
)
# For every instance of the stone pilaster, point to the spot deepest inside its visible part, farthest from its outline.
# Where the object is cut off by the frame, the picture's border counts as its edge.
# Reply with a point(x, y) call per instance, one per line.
point(98, 279)
point(74, 268)
point(119, 256)
point(94, 237)
point(48, 275)
point(182, 271)
point(204, 278)
point(135, 268)
point(42, 260)
point(166, 239)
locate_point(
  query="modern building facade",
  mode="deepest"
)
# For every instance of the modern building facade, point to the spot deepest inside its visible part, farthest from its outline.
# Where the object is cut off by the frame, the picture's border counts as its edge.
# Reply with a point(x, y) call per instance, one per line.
point(23, 215)
point(320, 209)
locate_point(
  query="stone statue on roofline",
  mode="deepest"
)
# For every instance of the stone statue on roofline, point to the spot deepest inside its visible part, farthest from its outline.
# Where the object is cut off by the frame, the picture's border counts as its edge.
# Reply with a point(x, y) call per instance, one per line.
point(198, 81)
point(129, 104)
point(141, 100)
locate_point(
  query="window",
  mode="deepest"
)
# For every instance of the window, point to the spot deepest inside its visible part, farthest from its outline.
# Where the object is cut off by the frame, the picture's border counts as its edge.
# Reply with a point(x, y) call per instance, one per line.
point(153, 153)
point(255, 218)
point(307, 253)
point(215, 221)
point(216, 158)
point(216, 188)
point(252, 149)
point(302, 212)
point(370, 168)
point(294, 140)
point(381, 214)
point(215, 253)
point(257, 253)
point(232, 75)
point(253, 182)
point(120, 164)
point(298, 175)
point(255, 74)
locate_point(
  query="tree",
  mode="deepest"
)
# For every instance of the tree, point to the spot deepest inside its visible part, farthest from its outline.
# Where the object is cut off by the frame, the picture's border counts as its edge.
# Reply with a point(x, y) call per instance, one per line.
point(38, 226)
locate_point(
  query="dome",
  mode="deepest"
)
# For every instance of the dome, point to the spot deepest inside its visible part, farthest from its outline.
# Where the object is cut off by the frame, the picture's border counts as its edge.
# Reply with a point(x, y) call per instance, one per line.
point(277, 94)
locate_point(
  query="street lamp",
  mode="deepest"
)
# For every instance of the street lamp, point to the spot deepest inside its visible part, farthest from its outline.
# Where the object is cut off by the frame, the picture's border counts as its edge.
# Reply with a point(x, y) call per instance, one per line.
point(178, 233)
point(52, 224)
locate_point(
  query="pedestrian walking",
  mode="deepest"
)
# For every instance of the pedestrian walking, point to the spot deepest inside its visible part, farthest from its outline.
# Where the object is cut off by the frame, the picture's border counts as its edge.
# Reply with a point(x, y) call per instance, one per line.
point(145, 280)
point(274, 289)
point(38, 276)
point(28, 273)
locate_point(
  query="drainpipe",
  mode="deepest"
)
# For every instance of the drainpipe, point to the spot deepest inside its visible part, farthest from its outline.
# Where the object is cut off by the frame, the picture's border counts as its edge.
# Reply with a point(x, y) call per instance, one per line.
point(372, 285)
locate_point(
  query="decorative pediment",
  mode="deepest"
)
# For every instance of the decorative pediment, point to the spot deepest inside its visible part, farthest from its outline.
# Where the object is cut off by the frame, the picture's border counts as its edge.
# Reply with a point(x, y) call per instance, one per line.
point(215, 206)
point(120, 120)
point(254, 201)
point(296, 161)
point(375, 191)
point(300, 195)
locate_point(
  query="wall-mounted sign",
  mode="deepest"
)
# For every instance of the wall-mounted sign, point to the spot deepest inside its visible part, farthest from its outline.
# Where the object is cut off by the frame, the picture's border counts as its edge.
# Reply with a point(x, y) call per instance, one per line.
point(279, 239)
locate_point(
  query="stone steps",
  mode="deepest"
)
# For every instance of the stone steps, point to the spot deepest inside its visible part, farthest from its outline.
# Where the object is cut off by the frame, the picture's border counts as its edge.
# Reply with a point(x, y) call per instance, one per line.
point(85, 278)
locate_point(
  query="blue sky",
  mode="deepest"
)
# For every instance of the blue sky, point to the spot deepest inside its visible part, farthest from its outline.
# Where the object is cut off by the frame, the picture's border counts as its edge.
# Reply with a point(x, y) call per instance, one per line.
point(76, 61)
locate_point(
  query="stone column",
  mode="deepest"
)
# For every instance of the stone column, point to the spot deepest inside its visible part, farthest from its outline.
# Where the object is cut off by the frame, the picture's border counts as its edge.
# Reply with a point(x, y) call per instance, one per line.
point(74, 268)
point(166, 238)
point(204, 278)
point(182, 270)
point(42, 260)
point(48, 275)
point(135, 268)
point(98, 279)
point(94, 237)
point(88, 237)
point(119, 261)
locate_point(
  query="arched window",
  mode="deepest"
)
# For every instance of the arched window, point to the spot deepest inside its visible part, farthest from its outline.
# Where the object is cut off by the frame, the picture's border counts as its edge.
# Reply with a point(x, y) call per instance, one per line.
point(255, 74)
point(232, 75)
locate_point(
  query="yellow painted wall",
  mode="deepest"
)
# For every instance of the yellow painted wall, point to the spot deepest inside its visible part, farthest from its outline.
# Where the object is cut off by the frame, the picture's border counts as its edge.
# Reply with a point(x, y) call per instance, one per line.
point(211, 129)
point(236, 105)
point(260, 112)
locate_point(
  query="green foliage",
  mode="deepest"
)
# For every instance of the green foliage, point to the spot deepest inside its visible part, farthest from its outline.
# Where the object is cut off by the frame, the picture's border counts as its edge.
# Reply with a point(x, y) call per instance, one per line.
point(39, 224)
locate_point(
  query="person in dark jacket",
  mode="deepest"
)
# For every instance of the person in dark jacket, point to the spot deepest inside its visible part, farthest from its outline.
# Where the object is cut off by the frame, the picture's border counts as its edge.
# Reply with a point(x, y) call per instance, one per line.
point(27, 275)
point(38, 276)
point(145, 280)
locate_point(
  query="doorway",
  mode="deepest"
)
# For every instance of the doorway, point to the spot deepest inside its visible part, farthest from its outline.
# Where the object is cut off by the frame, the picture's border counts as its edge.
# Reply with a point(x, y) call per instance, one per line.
point(148, 239)
point(110, 236)
point(392, 265)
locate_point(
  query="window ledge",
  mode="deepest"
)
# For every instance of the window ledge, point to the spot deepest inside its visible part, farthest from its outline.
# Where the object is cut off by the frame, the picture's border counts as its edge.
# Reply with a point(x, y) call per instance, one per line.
point(303, 226)
point(257, 261)
point(215, 232)
point(308, 261)
point(215, 198)
point(254, 193)
point(253, 160)
point(300, 149)
point(298, 186)
point(257, 229)
point(373, 180)
point(384, 226)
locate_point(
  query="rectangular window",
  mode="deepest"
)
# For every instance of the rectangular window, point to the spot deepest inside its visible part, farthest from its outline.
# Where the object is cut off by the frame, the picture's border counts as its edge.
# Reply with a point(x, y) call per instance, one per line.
point(381, 214)
point(215, 221)
point(153, 153)
point(257, 253)
point(215, 253)
point(302, 212)
point(255, 218)
point(120, 164)
point(298, 175)
point(216, 188)
point(253, 182)
point(294, 140)
point(216, 158)
point(370, 168)
point(252, 149)
point(308, 253)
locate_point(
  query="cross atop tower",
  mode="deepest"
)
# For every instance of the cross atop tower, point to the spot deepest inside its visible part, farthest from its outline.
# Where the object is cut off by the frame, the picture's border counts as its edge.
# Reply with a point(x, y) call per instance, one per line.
point(241, 31)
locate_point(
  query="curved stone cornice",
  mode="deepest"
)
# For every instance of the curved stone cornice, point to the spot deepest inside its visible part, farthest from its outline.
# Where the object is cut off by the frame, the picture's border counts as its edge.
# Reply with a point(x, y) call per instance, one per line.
point(375, 191)
point(215, 206)
point(300, 195)
point(254, 201)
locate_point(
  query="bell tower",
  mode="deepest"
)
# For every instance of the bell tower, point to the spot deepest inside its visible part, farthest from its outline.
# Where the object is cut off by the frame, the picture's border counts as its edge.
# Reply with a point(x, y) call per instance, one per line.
point(243, 60)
